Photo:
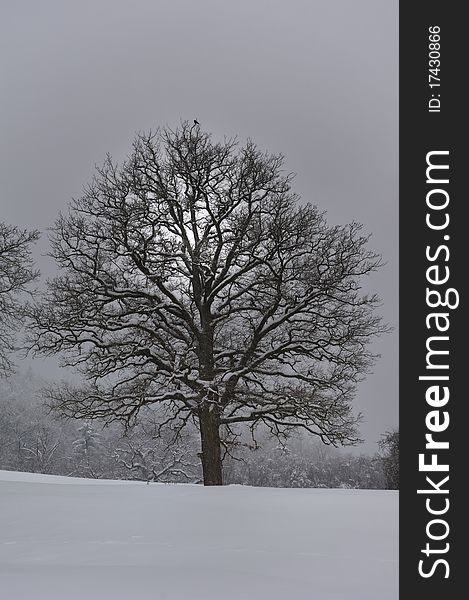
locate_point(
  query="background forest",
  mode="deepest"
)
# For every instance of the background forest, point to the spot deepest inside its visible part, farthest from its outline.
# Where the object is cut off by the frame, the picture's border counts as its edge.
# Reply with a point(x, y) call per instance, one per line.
point(35, 440)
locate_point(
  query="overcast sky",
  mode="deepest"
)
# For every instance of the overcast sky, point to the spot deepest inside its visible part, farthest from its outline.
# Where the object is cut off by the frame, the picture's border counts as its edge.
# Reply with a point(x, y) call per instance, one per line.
point(313, 79)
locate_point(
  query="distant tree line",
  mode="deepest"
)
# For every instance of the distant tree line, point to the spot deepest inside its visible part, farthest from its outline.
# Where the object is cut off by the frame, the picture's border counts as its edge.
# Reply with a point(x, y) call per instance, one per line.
point(389, 446)
point(303, 463)
point(33, 439)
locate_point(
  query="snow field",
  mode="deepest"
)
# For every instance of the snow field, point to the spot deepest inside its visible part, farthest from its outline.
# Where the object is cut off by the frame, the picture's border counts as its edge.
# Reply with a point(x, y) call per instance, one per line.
point(68, 539)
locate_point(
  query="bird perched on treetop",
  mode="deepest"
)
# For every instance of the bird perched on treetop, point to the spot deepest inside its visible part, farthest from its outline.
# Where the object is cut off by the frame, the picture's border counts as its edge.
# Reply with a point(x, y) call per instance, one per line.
point(196, 122)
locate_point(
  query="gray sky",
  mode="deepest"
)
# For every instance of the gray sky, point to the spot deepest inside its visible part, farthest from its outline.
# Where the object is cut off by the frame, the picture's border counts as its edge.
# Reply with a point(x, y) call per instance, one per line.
point(314, 79)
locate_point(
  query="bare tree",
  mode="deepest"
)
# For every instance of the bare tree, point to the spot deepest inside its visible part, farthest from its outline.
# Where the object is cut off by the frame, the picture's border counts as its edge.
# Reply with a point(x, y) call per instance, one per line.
point(41, 449)
point(192, 277)
point(16, 272)
point(151, 459)
point(389, 446)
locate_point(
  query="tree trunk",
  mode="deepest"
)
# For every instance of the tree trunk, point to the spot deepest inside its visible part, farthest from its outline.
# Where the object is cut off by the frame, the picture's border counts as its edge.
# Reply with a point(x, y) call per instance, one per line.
point(211, 452)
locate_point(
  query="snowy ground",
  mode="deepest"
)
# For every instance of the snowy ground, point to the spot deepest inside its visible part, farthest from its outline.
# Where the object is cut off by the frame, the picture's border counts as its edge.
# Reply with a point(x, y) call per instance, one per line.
point(68, 539)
